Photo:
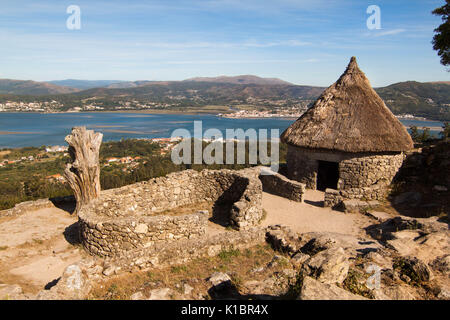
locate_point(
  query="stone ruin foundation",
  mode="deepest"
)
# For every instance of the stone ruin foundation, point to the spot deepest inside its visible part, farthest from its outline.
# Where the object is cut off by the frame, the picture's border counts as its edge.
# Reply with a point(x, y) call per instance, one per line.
point(129, 222)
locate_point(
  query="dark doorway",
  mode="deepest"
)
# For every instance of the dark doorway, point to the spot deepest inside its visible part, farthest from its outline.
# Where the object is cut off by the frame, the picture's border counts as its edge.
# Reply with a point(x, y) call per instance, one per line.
point(327, 175)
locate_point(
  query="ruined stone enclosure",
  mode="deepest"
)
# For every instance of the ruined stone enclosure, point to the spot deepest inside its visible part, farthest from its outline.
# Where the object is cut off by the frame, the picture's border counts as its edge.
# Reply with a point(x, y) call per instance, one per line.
point(132, 217)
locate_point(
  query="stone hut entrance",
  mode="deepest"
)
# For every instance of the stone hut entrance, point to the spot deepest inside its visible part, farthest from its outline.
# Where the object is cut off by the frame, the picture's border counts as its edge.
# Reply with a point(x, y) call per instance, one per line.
point(327, 175)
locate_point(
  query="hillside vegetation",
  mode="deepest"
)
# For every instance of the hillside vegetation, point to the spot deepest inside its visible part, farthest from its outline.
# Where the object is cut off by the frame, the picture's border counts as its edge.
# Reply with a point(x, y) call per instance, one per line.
point(429, 100)
point(31, 180)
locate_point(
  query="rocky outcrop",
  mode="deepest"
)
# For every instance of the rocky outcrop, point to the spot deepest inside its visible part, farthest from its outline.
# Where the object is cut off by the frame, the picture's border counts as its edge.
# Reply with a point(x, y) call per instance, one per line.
point(412, 255)
point(329, 266)
point(74, 284)
point(416, 270)
point(313, 289)
point(12, 292)
point(429, 166)
point(385, 229)
point(283, 239)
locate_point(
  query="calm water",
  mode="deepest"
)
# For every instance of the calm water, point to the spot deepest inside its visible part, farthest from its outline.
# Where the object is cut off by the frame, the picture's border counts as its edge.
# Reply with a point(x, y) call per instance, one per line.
point(50, 129)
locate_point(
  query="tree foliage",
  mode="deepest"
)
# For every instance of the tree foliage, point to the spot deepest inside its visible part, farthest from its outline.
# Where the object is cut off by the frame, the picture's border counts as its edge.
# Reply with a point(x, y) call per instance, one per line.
point(418, 136)
point(441, 40)
point(28, 180)
point(445, 134)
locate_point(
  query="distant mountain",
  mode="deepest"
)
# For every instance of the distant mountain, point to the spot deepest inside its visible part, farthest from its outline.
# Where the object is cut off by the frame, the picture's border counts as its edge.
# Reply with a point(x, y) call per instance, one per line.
point(440, 82)
point(206, 92)
point(430, 100)
point(28, 87)
point(128, 84)
point(85, 84)
point(244, 79)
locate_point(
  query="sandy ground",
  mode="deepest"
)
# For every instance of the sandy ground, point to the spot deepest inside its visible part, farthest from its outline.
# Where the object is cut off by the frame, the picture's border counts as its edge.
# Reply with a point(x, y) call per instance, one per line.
point(310, 216)
point(36, 247)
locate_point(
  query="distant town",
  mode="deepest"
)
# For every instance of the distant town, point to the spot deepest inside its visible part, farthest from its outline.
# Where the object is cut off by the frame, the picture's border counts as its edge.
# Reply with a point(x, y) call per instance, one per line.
point(260, 108)
point(55, 106)
point(293, 112)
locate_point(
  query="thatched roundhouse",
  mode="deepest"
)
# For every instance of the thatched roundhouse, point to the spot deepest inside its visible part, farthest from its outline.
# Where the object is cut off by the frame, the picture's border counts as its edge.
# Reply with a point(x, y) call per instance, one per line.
point(348, 141)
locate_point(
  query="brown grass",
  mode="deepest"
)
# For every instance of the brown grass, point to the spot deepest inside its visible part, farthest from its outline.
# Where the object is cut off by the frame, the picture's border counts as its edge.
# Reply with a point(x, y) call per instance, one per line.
point(188, 209)
point(237, 263)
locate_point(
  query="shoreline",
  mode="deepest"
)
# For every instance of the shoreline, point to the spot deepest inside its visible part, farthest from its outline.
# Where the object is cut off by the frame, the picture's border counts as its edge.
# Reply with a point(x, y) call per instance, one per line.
point(193, 112)
point(3, 133)
point(149, 111)
point(437, 129)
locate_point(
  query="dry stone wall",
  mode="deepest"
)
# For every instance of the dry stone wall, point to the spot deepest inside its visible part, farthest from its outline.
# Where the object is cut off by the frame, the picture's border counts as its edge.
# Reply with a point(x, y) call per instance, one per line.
point(279, 185)
point(333, 198)
point(130, 218)
point(301, 167)
point(27, 206)
point(117, 236)
point(368, 171)
point(360, 175)
point(164, 254)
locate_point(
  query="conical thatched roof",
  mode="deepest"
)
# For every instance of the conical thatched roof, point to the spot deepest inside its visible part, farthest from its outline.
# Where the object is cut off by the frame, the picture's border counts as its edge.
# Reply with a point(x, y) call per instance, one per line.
point(349, 116)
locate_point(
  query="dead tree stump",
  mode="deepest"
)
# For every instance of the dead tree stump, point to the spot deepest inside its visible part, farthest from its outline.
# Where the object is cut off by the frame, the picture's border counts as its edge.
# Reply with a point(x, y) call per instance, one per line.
point(83, 173)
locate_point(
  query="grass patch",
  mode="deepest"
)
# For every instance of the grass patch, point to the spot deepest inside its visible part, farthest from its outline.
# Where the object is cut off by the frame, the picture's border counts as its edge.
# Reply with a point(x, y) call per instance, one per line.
point(2, 248)
point(226, 255)
point(353, 284)
point(188, 209)
point(404, 268)
point(238, 264)
point(294, 289)
point(179, 269)
point(237, 280)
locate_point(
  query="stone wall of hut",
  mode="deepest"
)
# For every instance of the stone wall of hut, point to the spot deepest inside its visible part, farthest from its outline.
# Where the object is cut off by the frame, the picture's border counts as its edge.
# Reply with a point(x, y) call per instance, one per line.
point(368, 171)
point(358, 173)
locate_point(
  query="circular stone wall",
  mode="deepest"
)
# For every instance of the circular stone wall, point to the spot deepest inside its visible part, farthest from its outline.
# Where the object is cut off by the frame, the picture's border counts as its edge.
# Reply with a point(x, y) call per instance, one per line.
point(129, 218)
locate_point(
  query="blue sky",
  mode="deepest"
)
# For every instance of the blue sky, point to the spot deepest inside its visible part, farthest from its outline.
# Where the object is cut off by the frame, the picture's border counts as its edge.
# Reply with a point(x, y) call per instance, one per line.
point(302, 41)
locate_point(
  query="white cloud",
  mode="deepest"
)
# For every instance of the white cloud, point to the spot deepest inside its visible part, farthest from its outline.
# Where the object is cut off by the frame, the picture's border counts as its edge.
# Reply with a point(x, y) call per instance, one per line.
point(250, 61)
point(389, 32)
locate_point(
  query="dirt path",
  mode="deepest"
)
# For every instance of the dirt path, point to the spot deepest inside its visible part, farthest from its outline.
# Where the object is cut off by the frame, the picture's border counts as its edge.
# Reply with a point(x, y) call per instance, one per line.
point(36, 247)
point(310, 216)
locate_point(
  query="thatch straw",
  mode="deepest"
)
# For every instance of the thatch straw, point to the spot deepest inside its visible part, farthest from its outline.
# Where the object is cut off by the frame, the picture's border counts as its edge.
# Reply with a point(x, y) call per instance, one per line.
point(349, 116)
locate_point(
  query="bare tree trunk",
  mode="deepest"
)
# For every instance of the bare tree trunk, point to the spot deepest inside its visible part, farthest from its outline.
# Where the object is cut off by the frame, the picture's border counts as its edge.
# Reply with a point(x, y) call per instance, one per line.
point(83, 174)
